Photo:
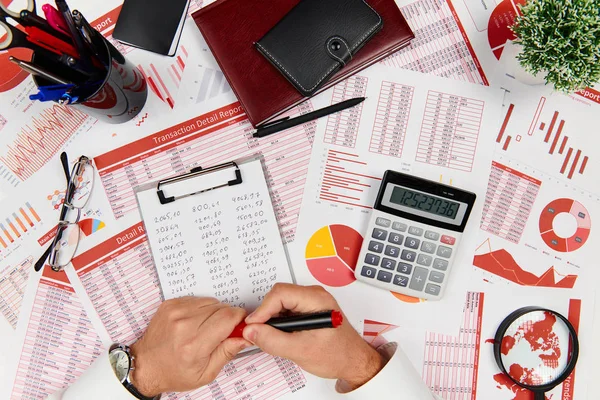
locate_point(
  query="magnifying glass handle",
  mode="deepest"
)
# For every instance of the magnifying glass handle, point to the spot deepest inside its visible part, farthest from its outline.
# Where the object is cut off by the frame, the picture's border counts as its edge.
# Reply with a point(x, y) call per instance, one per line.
point(539, 396)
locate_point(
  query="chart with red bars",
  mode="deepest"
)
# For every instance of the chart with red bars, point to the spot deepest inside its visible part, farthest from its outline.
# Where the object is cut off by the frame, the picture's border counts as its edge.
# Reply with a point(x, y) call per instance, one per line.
point(345, 180)
point(554, 134)
point(17, 224)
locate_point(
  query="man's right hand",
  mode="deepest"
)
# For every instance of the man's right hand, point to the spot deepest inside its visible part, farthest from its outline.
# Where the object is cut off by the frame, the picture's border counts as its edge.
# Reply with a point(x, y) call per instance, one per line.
point(329, 353)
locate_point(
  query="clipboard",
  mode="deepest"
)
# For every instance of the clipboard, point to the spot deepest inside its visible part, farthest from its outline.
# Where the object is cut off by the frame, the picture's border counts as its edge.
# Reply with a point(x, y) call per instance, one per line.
point(213, 232)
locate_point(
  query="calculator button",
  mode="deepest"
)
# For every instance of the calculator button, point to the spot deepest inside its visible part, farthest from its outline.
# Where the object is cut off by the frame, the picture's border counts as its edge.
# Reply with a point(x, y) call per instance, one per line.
point(375, 246)
point(400, 280)
point(444, 251)
point(408, 255)
point(372, 259)
point(412, 243)
point(396, 238)
point(419, 279)
point(388, 264)
point(440, 264)
point(436, 277)
point(379, 234)
point(425, 260)
point(449, 240)
point(404, 268)
point(413, 230)
point(432, 235)
point(428, 247)
point(384, 276)
point(433, 289)
point(399, 226)
point(392, 251)
point(383, 222)
point(368, 272)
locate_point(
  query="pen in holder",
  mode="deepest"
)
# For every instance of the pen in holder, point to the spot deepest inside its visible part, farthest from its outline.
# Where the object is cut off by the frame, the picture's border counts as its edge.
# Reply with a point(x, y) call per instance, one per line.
point(115, 96)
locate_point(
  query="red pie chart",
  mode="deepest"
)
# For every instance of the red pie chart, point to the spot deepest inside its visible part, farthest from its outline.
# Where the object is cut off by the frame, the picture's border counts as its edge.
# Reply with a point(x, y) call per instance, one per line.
point(331, 254)
point(582, 217)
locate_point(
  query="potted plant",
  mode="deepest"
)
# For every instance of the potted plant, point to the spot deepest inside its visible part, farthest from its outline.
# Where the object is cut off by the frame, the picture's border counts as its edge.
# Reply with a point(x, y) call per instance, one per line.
point(558, 42)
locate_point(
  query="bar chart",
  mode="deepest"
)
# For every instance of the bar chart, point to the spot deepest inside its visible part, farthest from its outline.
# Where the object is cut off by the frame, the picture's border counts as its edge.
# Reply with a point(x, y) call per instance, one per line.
point(17, 224)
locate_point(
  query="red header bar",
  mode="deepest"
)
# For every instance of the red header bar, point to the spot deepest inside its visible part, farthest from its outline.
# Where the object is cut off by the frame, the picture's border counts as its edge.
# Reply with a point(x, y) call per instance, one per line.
point(99, 252)
point(57, 285)
point(106, 21)
point(590, 94)
point(198, 124)
point(517, 173)
point(57, 276)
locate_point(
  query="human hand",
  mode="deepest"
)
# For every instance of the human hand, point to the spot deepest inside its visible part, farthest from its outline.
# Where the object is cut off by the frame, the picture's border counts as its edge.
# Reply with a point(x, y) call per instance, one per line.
point(186, 345)
point(338, 353)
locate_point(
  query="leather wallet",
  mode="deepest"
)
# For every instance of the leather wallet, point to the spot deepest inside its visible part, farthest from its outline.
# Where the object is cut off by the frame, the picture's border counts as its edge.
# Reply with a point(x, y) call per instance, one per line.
point(317, 38)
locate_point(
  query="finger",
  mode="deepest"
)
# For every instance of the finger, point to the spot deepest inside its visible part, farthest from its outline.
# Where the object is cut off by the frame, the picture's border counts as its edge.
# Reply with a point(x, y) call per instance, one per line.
point(223, 353)
point(273, 341)
point(285, 296)
point(218, 326)
point(182, 307)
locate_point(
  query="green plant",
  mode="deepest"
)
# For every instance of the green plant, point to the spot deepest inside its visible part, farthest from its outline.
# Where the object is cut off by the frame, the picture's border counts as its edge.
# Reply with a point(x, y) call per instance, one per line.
point(561, 38)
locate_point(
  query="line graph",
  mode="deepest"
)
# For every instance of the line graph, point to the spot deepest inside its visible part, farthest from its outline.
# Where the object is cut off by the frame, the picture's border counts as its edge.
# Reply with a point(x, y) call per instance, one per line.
point(39, 141)
point(501, 263)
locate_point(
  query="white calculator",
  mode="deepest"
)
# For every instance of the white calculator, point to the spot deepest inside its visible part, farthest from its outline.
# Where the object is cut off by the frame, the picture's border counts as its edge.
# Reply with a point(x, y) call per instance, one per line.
point(413, 235)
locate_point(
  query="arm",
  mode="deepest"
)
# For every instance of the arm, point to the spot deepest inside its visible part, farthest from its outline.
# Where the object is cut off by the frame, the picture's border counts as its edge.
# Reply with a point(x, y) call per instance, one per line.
point(185, 346)
point(339, 353)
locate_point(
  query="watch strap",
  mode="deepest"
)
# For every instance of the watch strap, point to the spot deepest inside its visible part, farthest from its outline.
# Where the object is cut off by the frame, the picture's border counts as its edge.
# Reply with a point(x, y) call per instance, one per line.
point(129, 386)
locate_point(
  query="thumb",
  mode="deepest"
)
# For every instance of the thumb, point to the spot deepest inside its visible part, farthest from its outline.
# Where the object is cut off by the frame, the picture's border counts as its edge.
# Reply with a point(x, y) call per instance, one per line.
point(270, 340)
point(222, 354)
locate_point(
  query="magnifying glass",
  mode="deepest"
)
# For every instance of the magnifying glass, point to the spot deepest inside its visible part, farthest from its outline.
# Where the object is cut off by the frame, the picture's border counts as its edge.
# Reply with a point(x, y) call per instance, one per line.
point(537, 349)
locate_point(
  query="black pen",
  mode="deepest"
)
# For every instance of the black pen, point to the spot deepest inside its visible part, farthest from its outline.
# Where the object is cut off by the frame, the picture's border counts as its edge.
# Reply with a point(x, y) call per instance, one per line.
point(78, 40)
point(290, 123)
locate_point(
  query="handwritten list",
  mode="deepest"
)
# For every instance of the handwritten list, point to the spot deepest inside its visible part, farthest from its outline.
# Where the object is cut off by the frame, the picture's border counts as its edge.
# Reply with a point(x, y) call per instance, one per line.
point(223, 243)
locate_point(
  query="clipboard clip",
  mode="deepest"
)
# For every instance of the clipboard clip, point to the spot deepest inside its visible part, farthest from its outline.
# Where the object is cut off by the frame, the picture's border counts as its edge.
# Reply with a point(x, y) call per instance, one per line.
point(194, 173)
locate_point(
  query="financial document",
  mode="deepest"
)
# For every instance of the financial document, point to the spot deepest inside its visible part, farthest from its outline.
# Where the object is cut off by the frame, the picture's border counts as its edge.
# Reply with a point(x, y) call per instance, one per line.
point(435, 128)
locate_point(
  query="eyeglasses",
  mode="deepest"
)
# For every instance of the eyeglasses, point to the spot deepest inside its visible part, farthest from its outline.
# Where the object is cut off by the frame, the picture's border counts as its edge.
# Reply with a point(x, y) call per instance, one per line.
point(79, 188)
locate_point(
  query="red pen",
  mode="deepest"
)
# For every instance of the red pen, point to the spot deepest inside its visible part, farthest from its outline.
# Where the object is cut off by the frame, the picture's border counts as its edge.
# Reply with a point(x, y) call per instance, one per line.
point(303, 322)
point(50, 42)
point(55, 19)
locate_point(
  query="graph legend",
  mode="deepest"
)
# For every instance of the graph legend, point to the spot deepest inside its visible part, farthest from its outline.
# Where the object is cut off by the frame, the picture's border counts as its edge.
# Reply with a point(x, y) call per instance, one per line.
point(343, 181)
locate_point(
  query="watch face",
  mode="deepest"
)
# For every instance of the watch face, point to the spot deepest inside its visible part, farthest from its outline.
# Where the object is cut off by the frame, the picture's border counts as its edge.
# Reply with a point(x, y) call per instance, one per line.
point(120, 363)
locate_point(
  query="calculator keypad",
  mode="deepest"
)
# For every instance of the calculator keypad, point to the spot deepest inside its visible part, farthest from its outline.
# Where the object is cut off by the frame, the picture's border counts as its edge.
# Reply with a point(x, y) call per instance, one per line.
point(408, 256)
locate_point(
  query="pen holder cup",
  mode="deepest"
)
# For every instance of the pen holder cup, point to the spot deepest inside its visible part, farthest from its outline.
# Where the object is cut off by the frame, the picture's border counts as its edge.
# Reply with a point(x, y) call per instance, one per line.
point(115, 98)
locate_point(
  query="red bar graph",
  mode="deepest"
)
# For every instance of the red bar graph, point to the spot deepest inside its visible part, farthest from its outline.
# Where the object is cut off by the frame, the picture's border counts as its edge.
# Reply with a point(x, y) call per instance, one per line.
point(343, 180)
point(562, 146)
point(549, 133)
point(557, 136)
point(505, 123)
point(18, 224)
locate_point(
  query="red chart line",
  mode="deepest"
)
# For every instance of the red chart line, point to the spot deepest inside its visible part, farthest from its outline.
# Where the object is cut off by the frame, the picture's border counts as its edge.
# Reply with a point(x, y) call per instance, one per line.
point(536, 117)
point(551, 128)
point(583, 165)
point(562, 146)
point(572, 171)
point(505, 123)
point(506, 143)
point(566, 162)
point(557, 136)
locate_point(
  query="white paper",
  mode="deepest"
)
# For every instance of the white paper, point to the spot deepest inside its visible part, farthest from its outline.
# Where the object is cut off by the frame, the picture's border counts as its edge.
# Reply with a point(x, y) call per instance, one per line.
point(223, 242)
point(391, 130)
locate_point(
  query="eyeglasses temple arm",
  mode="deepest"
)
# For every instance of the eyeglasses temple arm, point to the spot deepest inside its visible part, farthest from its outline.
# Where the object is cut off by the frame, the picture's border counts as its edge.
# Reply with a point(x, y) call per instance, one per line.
point(40, 263)
point(64, 159)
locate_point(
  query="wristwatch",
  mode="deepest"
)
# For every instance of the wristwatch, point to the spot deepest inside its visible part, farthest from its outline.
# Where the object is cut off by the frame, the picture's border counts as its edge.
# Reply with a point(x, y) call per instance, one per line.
point(121, 361)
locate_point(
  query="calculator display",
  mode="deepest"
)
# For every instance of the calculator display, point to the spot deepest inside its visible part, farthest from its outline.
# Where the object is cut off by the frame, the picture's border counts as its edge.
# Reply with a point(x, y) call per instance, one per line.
point(424, 202)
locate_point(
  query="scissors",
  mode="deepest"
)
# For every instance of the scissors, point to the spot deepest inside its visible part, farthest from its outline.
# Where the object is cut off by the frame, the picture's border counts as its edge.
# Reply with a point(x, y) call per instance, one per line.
point(28, 18)
point(35, 39)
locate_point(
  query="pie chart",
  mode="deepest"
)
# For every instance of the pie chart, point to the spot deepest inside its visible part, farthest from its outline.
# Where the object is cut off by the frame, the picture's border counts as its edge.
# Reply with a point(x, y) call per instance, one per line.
point(547, 227)
point(331, 254)
point(502, 18)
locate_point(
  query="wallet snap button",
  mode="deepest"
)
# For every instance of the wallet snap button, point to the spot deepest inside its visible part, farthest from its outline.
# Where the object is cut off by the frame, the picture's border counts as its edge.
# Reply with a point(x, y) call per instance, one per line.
point(335, 45)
